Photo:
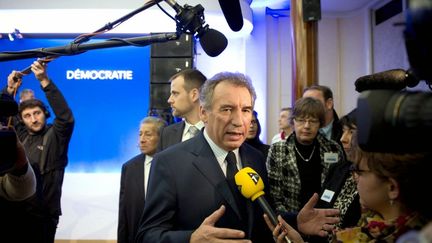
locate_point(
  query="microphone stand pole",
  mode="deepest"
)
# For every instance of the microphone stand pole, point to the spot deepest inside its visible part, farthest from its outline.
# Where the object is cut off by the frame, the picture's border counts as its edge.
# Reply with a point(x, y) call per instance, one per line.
point(73, 49)
point(109, 26)
point(76, 47)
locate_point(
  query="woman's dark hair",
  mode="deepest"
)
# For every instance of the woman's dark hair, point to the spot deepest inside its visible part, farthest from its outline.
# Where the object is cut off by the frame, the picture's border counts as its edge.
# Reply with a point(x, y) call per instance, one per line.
point(350, 119)
point(411, 171)
point(256, 138)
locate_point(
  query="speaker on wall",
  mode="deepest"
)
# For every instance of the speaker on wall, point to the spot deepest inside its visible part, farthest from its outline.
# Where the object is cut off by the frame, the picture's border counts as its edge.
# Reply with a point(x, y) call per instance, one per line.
point(167, 59)
point(311, 10)
point(163, 68)
point(159, 94)
point(183, 47)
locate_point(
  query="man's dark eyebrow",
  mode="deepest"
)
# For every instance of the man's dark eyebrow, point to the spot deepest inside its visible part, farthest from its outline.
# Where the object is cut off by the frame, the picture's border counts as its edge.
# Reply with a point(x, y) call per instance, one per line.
point(226, 106)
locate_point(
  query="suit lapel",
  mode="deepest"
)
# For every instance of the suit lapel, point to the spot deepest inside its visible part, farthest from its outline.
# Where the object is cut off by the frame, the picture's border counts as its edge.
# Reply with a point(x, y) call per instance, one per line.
point(207, 164)
point(178, 133)
point(139, 182)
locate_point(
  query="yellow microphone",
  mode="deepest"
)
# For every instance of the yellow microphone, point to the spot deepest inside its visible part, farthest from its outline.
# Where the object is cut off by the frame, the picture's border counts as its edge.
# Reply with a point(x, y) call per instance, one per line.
point(251, 187)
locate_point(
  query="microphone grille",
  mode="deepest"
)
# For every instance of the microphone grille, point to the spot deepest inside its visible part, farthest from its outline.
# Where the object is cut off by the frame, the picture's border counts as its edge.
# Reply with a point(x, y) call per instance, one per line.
point(249, 183)
point(213, 42)
point(391, 79)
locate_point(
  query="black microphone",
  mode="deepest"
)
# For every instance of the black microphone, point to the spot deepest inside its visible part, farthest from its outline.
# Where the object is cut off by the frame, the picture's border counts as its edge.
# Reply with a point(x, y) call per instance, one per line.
point(395, 79)
point(191, 20)
point(233, 14)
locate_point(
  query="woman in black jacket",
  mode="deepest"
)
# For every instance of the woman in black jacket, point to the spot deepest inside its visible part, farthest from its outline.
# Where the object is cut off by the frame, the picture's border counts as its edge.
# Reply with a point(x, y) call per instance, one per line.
point(339, 189)
point(253, 136)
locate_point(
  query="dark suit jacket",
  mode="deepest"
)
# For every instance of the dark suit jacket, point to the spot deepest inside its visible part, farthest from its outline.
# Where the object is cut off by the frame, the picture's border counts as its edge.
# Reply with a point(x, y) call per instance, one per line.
point(337, 129)
point(187, 185)
point(170, 135)
point(131, 202)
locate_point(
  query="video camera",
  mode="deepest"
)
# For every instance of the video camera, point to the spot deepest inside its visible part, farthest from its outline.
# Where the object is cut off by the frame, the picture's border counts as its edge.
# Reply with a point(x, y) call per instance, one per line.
point(392, 120)
point(8, 107)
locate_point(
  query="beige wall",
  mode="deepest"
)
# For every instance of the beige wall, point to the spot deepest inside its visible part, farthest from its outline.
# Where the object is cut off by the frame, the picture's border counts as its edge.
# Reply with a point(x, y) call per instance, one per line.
point(343, 56)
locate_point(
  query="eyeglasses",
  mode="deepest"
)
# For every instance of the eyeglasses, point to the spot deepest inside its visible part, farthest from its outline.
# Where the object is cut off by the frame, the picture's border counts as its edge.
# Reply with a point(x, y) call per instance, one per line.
point(302, 121)
point(356, 171)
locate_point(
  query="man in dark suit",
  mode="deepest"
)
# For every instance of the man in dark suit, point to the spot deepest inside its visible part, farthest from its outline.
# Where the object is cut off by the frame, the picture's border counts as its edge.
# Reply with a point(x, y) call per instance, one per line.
point(134, 178)
point(184, 102)
point(190, 195)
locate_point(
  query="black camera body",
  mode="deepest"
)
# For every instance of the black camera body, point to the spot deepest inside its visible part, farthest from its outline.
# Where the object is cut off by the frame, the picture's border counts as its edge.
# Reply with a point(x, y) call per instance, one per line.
point(392, 120)
point(8, 138)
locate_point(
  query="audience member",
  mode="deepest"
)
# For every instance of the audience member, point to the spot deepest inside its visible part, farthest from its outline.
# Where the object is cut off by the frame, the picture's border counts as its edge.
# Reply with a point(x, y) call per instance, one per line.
point(20, 182)
point(390, 186)
point(298, 167)
point(391, 190)
point(191, 196)
point(339, 189)
point(285, 127)
point(331, 127)
point(26, 94)
point(16, 185)
point(134, 180)
point(46, 147)
point(184, 101)
point(253, 136)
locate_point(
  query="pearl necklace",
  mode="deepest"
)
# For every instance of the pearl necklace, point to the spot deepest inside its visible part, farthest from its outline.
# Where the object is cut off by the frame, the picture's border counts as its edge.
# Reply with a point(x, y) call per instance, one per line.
point(301, 156)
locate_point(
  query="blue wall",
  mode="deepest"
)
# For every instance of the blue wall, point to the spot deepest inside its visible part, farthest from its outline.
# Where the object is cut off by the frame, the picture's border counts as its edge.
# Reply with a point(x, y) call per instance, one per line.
point(107, 112)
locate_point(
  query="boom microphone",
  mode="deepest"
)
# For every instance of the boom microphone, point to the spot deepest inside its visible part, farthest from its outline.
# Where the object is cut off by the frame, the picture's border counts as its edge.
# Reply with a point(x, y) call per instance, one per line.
point(395, 79)
point(191, 20)
point(233, 14)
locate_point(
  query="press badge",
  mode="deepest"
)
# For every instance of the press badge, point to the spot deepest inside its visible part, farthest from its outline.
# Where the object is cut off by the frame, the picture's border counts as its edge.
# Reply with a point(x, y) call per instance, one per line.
point(327, 195)
point(331, 157)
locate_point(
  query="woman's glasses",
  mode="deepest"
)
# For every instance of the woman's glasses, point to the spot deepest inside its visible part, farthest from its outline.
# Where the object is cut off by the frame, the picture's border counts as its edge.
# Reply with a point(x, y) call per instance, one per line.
point(356, 171)
point(302, 121)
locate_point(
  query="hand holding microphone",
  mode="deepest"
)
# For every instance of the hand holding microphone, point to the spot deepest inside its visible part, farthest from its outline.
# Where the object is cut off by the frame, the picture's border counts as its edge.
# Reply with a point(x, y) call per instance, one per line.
point(251, 187)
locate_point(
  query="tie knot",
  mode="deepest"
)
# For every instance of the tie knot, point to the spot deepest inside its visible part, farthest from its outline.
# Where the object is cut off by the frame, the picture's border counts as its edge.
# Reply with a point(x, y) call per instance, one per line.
point(193, 130)
point(231, 158)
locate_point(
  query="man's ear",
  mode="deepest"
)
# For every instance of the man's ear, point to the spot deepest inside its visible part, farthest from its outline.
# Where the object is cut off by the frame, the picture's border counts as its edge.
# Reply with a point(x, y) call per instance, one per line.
point(329, 104)
point(203, 114)
point(194, 94)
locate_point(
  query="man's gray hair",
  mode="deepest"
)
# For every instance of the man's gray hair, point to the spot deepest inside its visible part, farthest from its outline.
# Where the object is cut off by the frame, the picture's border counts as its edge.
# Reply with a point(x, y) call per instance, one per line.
point(158, 122)
point(236, 79)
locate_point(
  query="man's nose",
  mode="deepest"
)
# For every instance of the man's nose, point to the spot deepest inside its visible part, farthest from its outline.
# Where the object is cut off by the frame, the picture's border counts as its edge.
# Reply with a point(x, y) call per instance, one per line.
point(170, 101)
point(236, 117)
point(33, 118)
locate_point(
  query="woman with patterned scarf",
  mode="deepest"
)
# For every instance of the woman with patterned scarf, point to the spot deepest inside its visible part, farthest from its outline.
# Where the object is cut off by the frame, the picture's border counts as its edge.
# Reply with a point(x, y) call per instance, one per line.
point(391, 189)
point(392, 195)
